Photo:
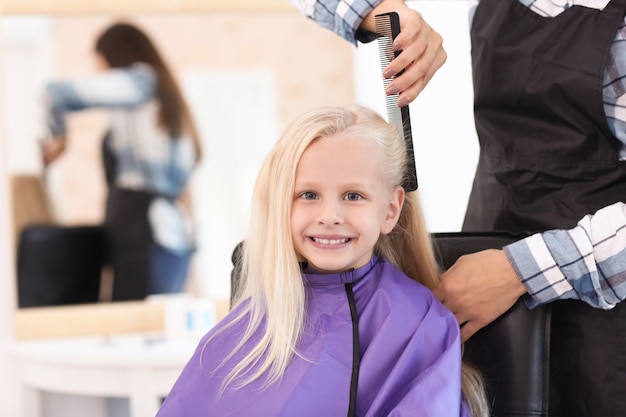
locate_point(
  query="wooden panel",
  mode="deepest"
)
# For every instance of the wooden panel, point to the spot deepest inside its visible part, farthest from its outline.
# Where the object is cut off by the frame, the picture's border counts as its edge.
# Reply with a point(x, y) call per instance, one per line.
point(85, 320)
point(31, 204)
point(139, 6)
point(95, 319)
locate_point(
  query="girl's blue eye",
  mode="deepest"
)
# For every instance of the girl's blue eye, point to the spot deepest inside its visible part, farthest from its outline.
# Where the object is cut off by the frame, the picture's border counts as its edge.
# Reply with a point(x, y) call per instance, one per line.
point(309, 195)
point(353, 196)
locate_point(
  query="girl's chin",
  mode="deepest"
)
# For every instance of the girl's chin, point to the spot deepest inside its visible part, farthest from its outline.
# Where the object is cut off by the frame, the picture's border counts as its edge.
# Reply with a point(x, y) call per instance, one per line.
point(333, 268)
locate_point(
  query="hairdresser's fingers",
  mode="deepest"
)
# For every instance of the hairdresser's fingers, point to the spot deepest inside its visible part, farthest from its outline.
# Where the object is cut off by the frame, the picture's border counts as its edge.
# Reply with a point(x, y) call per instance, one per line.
point(469, 329)
point(472, 321)
point(447, 286)
point(479, 287)
point(410, 42)
point(422, 55)
point(424, 71)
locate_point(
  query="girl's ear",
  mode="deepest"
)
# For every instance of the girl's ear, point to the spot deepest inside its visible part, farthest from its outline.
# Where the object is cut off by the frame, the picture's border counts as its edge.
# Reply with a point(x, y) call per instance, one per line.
point(394, 208)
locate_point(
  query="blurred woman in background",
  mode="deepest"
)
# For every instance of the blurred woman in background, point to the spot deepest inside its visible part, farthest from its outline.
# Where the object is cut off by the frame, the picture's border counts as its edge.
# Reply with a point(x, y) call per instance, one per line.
point(149, 152)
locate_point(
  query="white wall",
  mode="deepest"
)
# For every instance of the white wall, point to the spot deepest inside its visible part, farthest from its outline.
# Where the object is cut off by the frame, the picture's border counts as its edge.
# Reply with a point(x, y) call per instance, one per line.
point(237, 134)
point(29, 52)
point(442, 121)
point(29, 62)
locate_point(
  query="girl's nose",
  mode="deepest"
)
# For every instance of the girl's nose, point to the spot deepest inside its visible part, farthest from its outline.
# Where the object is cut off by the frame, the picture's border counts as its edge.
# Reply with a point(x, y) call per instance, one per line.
point(330, 213)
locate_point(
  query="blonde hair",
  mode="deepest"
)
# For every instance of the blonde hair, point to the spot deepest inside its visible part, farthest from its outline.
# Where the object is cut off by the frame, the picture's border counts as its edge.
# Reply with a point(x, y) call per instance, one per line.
point(271, 275)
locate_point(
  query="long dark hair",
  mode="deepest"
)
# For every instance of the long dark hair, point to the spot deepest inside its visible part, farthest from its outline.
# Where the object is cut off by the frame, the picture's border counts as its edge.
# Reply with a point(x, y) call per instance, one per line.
point(122, 45)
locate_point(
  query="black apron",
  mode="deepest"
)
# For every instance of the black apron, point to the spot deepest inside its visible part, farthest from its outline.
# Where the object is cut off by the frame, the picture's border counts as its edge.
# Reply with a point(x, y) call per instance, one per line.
point(128, 234)
point(547, 158)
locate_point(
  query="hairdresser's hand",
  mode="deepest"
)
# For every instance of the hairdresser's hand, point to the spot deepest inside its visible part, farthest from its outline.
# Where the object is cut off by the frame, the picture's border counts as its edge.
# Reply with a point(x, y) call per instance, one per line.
point(422, 51)
point(52, 148)
point(479, 288)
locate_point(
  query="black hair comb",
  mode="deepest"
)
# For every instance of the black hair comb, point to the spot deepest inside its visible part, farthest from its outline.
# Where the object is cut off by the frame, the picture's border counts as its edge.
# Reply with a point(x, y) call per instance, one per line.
point(388, 27)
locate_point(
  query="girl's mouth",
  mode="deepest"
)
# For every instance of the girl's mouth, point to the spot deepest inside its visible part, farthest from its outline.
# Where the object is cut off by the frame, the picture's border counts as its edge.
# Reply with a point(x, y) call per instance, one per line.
point(330, 241)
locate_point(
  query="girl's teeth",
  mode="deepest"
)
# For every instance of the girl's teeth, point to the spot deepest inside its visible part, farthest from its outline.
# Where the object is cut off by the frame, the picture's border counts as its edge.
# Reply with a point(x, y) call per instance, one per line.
point(330, 241)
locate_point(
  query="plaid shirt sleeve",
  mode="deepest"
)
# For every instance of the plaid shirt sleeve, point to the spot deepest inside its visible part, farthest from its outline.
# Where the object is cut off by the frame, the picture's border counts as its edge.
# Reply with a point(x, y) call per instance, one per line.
point(116, 88)
point(340, 16)
point(585, 263)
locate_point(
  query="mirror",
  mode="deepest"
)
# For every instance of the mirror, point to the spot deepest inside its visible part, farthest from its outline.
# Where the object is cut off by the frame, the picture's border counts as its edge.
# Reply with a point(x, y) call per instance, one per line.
point(244, 75)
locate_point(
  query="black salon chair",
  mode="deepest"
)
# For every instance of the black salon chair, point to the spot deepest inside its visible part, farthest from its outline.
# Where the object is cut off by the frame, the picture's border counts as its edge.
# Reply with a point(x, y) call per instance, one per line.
point(59, 265)
point(512, 352)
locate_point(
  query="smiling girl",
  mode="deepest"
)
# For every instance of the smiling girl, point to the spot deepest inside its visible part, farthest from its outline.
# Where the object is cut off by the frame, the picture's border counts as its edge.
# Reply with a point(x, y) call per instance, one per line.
point(335, 317)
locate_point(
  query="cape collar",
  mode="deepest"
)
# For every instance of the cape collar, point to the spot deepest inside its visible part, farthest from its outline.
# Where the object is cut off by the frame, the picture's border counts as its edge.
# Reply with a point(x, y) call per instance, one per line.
point(317, 278)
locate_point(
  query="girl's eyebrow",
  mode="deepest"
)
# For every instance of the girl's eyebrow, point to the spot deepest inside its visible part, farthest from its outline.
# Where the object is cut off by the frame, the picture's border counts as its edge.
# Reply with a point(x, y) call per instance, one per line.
point(346, 186)
point(305, 184)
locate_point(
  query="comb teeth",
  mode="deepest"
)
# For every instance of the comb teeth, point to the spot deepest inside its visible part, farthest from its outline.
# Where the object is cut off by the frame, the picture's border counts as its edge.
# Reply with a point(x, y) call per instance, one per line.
point(385, 41)
point(388, 27)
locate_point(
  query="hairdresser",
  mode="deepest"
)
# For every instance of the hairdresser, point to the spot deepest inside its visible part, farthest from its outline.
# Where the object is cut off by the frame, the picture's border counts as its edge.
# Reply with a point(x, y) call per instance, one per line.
point(548, 86)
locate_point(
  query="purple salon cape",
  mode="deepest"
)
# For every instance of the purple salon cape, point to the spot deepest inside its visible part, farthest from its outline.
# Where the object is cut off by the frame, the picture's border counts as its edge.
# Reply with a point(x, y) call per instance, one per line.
point(408, 356)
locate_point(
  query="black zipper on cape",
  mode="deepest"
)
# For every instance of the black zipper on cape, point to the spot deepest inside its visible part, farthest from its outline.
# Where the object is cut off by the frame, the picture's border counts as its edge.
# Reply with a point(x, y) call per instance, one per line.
point(356, 355)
